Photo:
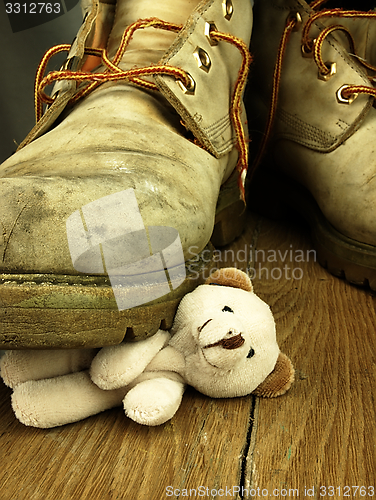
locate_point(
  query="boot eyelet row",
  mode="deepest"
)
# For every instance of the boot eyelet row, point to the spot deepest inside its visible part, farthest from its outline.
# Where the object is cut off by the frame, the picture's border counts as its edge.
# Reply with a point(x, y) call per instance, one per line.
point(201, 56)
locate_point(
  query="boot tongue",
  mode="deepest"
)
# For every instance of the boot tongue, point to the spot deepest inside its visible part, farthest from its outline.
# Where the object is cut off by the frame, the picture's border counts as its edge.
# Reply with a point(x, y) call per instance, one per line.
point(147, 45)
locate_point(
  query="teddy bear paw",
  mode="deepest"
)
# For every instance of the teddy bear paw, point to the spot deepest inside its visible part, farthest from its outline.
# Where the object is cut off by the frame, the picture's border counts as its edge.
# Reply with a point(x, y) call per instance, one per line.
point(153, 402)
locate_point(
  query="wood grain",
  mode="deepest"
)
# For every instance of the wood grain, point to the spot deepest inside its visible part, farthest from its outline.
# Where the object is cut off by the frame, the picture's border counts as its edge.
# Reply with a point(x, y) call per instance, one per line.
point(321, 433)
point(110, 457)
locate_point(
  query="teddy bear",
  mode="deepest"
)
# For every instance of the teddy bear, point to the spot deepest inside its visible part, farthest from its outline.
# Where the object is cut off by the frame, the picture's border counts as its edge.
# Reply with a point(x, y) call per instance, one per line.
point(222, 343)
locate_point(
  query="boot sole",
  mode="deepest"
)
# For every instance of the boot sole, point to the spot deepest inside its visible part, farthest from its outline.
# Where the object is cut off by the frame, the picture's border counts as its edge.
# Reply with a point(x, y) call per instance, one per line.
point(47, 311)
point(342, 256)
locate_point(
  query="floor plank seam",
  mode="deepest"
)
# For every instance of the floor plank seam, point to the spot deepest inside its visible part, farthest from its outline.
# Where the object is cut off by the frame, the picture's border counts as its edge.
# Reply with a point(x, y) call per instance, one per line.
point(246, 453)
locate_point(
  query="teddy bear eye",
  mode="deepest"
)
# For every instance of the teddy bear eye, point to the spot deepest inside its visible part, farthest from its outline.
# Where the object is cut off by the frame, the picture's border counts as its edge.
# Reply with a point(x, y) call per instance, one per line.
point(227, 309)
point(251, 353)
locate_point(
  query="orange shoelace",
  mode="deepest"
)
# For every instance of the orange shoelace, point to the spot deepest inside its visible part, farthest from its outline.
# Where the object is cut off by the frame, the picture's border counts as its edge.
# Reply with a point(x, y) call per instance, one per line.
point(313, 47)
point(87, 82)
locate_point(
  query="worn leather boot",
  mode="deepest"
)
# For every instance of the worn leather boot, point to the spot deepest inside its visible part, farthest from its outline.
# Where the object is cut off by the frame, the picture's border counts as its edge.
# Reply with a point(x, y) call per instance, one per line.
point(311, 103)
point(108, 207)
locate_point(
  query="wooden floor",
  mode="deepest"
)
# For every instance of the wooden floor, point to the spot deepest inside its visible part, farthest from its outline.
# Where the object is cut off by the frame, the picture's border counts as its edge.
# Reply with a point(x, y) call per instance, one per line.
point(320, 435)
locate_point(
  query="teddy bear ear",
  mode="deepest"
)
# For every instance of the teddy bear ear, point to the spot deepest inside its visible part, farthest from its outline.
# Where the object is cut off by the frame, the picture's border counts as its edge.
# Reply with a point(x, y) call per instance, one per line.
point(230, 276)
point(279, 380)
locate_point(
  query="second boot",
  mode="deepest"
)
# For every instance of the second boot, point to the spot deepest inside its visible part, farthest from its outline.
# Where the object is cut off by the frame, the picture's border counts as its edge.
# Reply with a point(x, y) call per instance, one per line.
point(311, 104)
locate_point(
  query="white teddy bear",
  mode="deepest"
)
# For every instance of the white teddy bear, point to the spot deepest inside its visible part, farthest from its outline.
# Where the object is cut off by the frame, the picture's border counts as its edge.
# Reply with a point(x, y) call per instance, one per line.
point(223, 343)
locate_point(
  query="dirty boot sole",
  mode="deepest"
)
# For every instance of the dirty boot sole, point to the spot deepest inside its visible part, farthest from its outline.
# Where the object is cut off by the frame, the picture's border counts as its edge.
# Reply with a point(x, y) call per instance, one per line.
point(49, 311)
point(341, 256)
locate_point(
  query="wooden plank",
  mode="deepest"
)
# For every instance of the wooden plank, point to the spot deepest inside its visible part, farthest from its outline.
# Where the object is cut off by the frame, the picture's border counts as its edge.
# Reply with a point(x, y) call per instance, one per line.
point(321, 434)
point(110, 457)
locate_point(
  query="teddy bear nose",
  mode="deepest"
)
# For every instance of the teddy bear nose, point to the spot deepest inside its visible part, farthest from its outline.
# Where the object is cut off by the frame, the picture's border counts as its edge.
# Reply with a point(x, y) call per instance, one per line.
point(231, 343)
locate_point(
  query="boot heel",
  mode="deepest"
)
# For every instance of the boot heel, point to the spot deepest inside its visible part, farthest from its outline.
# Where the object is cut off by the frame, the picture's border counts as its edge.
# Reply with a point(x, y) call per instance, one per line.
point(229, 222)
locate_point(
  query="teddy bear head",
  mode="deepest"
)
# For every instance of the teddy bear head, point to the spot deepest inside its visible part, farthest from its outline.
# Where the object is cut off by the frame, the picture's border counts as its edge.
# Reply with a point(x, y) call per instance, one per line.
point(227, 337)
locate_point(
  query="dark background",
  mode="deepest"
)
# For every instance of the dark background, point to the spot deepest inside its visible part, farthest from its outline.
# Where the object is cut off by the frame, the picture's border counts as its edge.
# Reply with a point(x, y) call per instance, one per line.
point(21, 52)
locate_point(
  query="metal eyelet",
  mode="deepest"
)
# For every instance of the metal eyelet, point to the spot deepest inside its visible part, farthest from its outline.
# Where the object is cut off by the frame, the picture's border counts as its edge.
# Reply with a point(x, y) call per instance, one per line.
point(332, 67)
point(307, 52)
point(203, 59)
point(190, 90)
point(345, 100)
point(210, 26)
point(228, 9)
point(295, 16)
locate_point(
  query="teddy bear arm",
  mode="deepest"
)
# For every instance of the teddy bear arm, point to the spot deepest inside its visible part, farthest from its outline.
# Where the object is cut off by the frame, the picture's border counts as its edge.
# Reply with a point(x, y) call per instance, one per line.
point(169, 359)
point(279, 380)
point(117, 366)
